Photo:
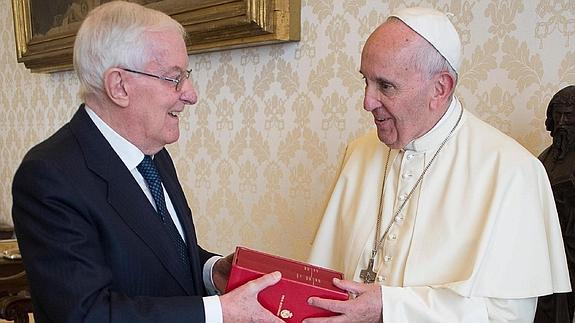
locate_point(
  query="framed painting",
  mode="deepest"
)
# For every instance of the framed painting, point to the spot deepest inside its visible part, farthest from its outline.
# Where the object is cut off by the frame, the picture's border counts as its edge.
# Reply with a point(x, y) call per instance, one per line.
point(45, 30)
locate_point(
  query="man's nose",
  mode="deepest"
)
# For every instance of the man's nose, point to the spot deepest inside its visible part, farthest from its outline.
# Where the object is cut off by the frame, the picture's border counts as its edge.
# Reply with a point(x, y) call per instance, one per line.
point(370, 102)
point(188, 94)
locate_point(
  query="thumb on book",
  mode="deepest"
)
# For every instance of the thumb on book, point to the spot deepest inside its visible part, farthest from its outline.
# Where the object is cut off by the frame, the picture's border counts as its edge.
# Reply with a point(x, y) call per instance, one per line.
point(268, 280)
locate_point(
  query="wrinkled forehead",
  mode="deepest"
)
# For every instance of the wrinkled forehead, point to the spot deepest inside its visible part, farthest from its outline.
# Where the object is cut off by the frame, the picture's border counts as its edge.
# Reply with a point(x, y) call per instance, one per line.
point(167, 51)
point(393, 33)
point(392, 40)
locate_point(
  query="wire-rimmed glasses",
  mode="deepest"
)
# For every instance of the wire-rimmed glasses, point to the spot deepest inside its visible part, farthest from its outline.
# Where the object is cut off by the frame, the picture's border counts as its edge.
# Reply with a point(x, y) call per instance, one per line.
point(179, 81)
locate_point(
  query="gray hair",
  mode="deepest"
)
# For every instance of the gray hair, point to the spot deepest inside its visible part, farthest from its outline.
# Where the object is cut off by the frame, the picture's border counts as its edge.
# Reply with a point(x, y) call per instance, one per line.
point(114, 35)
point(427, 59)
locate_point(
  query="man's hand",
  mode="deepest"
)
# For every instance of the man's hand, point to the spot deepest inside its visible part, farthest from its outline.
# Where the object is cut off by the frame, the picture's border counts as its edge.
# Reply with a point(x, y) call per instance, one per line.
point(221, 272)
point(241, 304)
point(366, 306)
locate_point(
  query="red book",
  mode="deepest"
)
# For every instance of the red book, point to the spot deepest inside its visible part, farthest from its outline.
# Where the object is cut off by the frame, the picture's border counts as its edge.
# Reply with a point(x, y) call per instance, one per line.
point(288, 298)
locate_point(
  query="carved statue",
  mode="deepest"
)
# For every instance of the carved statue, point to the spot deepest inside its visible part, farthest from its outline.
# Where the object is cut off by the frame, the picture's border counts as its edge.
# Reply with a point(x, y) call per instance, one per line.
point(559, 161)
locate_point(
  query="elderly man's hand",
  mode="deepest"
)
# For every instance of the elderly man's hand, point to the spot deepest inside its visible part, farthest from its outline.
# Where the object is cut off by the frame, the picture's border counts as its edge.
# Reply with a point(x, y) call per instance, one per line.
point(221, 272)
point(366, 306)
point(241, 304)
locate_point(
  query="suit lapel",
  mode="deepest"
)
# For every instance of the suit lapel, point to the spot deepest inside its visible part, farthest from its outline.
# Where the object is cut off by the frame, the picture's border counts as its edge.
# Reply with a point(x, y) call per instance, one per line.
point(126, 197)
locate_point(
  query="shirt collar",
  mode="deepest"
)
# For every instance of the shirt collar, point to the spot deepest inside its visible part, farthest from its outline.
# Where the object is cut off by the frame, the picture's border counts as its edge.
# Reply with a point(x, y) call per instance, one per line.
point(437, 134)
point(130, 155)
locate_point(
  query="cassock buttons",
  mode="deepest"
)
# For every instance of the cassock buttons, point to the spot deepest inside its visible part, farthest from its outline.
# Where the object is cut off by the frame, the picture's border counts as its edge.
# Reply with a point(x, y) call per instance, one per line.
point(406, 175)
point(381, 278)
point(392, 237)
point(402, 197)
point(409, 156)
point(387, 258)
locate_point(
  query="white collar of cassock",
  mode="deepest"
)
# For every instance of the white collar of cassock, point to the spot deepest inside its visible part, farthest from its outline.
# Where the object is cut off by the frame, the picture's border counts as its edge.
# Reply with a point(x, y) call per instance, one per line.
point(433, 138)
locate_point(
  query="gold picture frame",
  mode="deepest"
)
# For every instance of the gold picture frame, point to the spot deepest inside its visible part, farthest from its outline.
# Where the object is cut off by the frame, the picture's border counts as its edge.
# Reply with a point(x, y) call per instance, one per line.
point(45, 39)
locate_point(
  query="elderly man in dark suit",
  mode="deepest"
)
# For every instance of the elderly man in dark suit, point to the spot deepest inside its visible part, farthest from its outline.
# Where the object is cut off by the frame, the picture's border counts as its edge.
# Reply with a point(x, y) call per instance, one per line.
point(103, 225)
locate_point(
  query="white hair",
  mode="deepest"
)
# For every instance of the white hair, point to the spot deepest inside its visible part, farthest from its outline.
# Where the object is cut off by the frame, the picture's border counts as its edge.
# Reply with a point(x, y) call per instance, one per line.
point(115, 35)
point(427, 58)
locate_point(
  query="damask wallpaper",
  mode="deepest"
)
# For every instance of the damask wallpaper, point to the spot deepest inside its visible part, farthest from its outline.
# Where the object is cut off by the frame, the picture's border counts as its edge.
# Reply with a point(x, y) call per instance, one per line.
point(259, 153)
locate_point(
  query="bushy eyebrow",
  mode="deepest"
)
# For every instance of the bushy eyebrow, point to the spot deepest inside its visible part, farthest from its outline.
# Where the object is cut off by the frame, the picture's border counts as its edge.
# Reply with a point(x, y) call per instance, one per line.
point(383, 80)
point(170, 69)
point(174, 69)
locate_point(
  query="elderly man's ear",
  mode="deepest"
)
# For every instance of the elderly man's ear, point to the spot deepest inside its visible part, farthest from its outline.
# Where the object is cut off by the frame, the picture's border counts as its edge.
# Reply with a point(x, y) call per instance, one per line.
point(444, 85)
point(115, 86)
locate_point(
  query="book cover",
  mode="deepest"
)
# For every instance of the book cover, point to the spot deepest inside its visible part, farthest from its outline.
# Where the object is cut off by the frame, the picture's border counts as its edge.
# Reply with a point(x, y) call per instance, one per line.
point(288, 298)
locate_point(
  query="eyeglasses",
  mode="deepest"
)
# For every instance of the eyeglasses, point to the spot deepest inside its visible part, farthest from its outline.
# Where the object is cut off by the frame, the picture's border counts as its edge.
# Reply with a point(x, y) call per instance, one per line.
point(179, 81)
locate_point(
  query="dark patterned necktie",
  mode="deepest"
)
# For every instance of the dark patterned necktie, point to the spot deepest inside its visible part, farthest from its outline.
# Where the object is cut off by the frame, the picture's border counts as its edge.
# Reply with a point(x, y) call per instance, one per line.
point(154, 182)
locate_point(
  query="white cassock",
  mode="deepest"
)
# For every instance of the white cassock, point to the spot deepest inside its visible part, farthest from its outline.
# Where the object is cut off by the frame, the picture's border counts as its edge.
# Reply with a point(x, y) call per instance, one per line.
point(478, 240)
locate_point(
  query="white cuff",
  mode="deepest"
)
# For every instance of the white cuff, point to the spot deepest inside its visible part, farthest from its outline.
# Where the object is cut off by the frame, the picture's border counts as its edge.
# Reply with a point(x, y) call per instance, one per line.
point(213, 309)
point(207, 276)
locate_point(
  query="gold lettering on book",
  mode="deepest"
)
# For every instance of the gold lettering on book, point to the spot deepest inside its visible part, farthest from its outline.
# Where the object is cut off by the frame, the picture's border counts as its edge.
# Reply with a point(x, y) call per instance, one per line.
point(280, 305)
point(309, 276)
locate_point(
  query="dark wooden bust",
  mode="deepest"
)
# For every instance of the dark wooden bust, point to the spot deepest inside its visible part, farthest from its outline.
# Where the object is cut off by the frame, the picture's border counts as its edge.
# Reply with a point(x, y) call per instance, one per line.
point(559, 162)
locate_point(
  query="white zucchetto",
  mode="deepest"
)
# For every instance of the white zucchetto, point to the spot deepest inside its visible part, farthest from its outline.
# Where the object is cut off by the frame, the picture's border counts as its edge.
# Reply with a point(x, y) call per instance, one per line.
point(437, 29)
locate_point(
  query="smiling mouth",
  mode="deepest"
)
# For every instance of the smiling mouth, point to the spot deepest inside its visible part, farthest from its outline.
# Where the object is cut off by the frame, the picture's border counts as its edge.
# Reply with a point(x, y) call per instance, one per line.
point(380, 120)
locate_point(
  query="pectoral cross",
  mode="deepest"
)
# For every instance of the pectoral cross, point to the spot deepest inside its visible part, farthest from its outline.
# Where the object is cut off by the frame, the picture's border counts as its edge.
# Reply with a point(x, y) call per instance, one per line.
point(368, 275)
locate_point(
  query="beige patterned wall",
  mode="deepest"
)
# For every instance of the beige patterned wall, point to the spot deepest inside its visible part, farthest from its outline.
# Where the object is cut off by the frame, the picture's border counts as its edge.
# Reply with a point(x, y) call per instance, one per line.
point(259, 152)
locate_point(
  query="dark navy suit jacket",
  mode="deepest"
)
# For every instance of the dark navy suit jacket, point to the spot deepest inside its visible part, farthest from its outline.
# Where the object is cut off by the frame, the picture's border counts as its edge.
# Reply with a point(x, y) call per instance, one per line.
point(93, 246)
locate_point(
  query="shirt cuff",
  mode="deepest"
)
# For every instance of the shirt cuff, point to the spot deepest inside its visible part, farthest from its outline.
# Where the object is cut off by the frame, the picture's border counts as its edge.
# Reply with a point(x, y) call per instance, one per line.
point(213, 309)
point(207, 277)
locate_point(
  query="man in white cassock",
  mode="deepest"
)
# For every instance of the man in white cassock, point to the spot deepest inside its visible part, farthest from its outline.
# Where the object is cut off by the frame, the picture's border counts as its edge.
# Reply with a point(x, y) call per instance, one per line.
point(441, 217)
